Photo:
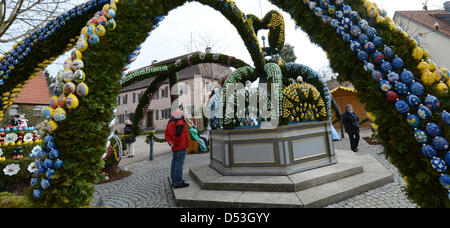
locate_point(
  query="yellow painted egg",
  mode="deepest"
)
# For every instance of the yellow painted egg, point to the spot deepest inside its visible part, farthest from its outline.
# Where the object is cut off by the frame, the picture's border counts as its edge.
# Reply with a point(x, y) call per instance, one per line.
point(52, 126)
point(442, 88)
point(417, 53)
point(428, 78)
point(100, 30)
point(72, 101)
point(48, 112)
point(82, 45)
point(67, 64)
point(425, 53)
point(423, 66)
point(432, 65)
point(53, 102)
point(84, 30)
point(59, 114)
point(76, 54)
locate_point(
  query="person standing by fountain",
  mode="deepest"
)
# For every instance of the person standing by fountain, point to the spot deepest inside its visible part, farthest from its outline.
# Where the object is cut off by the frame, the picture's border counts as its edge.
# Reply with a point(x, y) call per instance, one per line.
point(130, 141)
point(351, 123)
point(176, 136)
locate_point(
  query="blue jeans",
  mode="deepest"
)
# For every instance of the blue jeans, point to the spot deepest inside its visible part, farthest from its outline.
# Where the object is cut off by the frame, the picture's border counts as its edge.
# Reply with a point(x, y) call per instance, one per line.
point(176, 169)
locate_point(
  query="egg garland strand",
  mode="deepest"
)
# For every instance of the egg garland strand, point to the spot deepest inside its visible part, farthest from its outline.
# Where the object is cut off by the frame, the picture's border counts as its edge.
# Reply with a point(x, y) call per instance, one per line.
point(430, 75)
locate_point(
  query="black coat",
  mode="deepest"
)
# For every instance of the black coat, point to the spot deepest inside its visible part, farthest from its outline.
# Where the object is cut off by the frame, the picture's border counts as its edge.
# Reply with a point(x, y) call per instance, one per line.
point(127, 131)
point(351, 122)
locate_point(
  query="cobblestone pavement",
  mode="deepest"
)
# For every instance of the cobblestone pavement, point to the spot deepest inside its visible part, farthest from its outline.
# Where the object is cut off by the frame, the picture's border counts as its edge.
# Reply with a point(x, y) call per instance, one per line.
point(149, 185)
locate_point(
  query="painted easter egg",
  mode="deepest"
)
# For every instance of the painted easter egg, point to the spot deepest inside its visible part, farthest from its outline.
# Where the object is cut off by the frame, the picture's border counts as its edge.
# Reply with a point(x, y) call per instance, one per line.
point(401, 88)
point(386, 66)
point(413, 121)
point(393, 77)
point(61, 101)
point(388, 52)
point(440, 143)
point(445, 181)
point(401, 106)
point(67, 65)
point(377, 75)
point(397, 63)
point(58, 164)
point(378, 57)
point(100, 30)
point(433, 129)
point(421, 136)
point(445, 116)
point(94, 39)
point(79, 76)
point(438, 165)
point(82, 89)
point(69, 88)
point(370, 47)
point(68, 75)
point(77, 64)
point(48, 112)
point(392, 96)
point(432, 102)
point(72, 101)
point(45, 183)
point(417, 89)
point(413, 100)
point(407, 77)
point(53, 102)
point(385, 85)
point(111, 25)
point(59, 114)
point(76, 54)
point(428, 151)
point(424, 112)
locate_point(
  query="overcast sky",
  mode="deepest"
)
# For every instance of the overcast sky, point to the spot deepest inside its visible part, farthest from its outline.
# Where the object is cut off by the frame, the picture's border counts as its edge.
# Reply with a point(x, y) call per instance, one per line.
point(173, 37)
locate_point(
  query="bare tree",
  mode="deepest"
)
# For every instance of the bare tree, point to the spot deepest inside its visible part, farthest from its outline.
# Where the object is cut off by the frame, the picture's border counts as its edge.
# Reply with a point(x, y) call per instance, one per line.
point(18, 18)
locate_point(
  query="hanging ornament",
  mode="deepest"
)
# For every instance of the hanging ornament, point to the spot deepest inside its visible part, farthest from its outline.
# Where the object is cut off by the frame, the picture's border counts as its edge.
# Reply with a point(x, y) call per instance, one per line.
point(386, 66)
point(428, 151)
point(428, 78)
point(432, 102)
point(401, 88)
point(82, 89)
point(440, 143)
point(417, 53)
point(370, 47)
point(377, 75)
point(392, 96)
point(401, 106)
point(417, 89)
point(94, 39)
point(413, 121)
point(79, 76)
point(72, 101)
point(385, 85)
point(393, 77)
point(388, 52)
point(48, 112)
point(111, 25)
point(438, 165)
point(378, 57)
point(413, 100)
point(397, 63)
point(424, 112)
point(407, 77)
point(433, 129)
point(52, 126)
point(53, 102)
point(445, 116)
point(421, 136)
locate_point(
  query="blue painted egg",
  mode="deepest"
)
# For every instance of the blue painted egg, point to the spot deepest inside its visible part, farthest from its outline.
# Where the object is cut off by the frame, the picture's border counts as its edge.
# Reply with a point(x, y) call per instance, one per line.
point(49, 173)
point(339, 15)
point(355, 30)
point(417, 89)
point(111, 13)
point(347, 23)
point(354, 15)
point(385, 85)
point(378, 41)
point(363, 56)
point(377, 75)
point(438, 165)
point(447, 158)
point(37, 193)
point(51, 145)
point(392, 96)
point(334, 23)
point(386, 66)
point(378, 57)
point(355, 46)
point(42, 170)
point(363, 39)
point(341, 30)
point(48, 163)
point(339, 3)
point(347, 37)
point(33, 181)
point(401, 88)
point(424, 112)
point(49, 138)
point(407, 77)
point(432, 102)
point(45, 183)
point(371, 33)
point(58, 164)
point(324, 3)
point(440, 143)
point(94, 39)
point(370, 47)
point(393, 77)
point(347, 9)
point(413, 100)
point(397, 63)
point(428, 151)
point(421, 136)
point(369, 67)
point(445, 117)
point(433, 129)
point(54, 154)
point(332, 10)
point(318, 11)
point(445, 182)
point(401, 106)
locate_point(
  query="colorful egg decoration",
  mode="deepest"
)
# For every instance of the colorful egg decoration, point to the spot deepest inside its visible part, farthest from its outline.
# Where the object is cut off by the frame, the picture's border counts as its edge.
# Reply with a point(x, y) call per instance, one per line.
point(48, 163)
point(432, 102)
point(422, 66)
point(378, 41)
point(347, 23)
point(438, 165)
point(445, 181)
point(393, 77)
point(91, 30)
point(82, 89)
point(347, 37)
point(401, 106)
point(111, 14)
point(424, 112)
point(378, 57)
point(370, 47)
point(413, 100)
point(386, 66)
point(79, 76)
point(33, 181)
point(413, 121)
point(440, 143)
point(355, 46)
point(68, 75)
point(48, 112)
point(401, 88)
point(417, 53)
point(377, 75)
point(82, 45)
point(101, 20)
point(49, 174)
point(433, 129)
point(363, 24)
point(369, 67)
point(100, 30)
point(76, 54)
point(428, 151)
point(37, 193)
point(72, 101)
point(388, 52)
point(355, 30)
point(77, 64)
point(363, 39)
point(67, 65)
point(385, 85)
point(428, 78)
point(447, 157)
point(61, 101)
point(69, 88)
point(397, 63)
point(421, 136)
point(445, 116)
point(94, 39)
point(59, 115)
point(392, 96)
point(53, 102)
point(111, 25)
point(417, 89)
point(54, 154)
point(407, 77)
point(340, 30)
point(45, 183)
point(347, 9)
point(371, 33)
point(58, 164)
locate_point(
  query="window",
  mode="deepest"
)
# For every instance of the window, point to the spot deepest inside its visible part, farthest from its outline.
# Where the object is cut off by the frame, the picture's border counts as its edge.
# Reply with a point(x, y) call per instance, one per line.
point(122, 118)
point(13, 110)
point(134, 98)
point(37, 110)
point(118, 100)
point(131, 116)
point(125, 99)
point(140, 95)
point(156, 114)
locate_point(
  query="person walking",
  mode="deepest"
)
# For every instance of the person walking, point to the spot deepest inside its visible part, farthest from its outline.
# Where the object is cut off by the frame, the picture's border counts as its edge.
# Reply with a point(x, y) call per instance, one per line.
point(176, 136)
point(129, 141)
point(351, 123)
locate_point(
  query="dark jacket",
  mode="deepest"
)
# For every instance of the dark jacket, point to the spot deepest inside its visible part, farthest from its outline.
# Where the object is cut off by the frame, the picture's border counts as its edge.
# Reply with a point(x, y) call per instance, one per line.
point(177, 133)
point(351, 122)
point(127, 131)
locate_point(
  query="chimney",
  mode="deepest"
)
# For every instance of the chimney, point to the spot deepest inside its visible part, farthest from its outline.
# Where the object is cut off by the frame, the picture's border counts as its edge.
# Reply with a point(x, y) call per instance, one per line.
point(447, 6)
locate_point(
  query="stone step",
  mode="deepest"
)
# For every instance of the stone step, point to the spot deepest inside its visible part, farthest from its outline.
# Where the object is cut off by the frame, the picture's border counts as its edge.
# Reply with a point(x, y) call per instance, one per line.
point(210, 179)
point(374, 175)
